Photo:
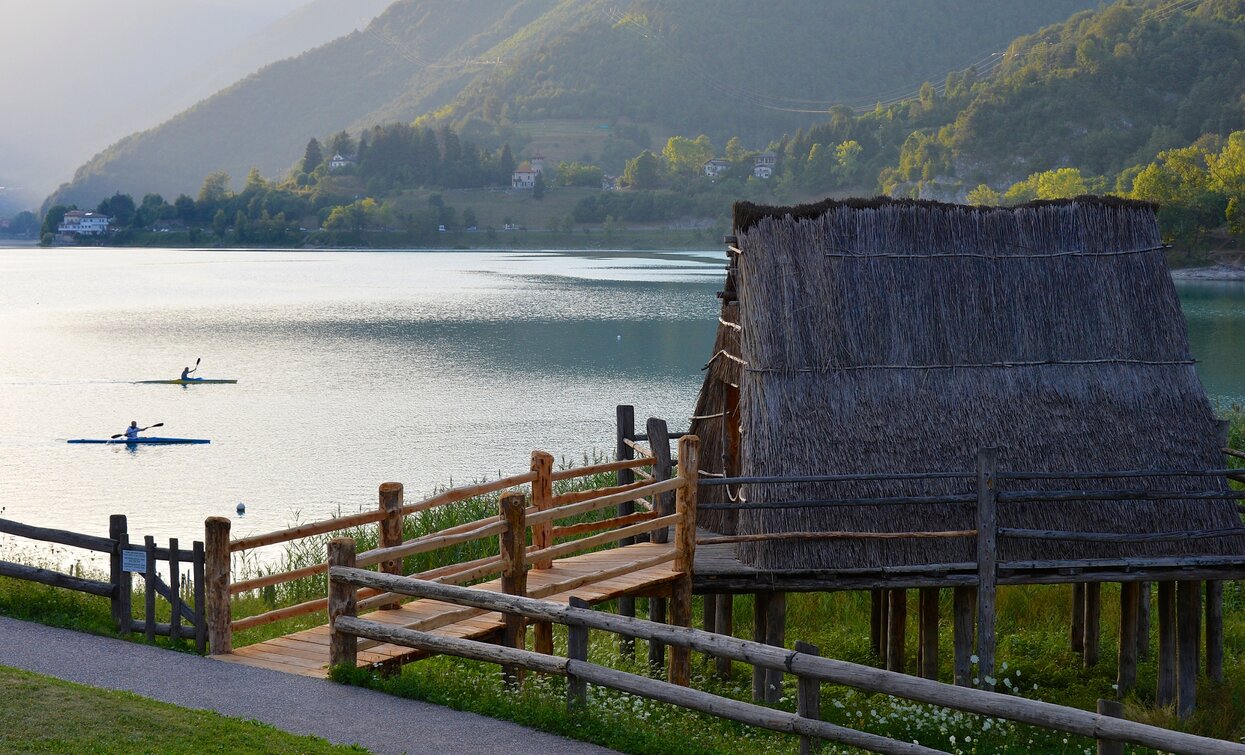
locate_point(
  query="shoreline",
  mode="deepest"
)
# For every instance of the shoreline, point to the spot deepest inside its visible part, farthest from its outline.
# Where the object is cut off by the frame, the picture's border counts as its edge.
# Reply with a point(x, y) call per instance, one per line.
point(1220, 272)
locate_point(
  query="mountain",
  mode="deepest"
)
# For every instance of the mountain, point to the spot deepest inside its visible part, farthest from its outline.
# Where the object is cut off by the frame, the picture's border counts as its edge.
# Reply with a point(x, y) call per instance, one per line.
point(1101, 92)
point(495, 69)
point(76, 77)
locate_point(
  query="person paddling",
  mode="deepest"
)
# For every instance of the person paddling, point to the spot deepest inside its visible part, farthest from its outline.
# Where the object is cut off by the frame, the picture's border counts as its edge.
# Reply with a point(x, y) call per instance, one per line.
point(187, 372)
point(131, 432)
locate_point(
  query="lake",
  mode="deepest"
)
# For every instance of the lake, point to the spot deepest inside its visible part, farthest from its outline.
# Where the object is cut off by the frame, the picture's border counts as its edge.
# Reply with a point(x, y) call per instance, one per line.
point(354, 368)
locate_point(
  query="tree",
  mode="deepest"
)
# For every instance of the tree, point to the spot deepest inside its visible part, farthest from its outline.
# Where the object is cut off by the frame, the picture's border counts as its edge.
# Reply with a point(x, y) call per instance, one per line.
point(24, 224)
point(538, 188)
point(185, 208)
point(469, 218)
point(220, 223)
point(735, 150)
point(53, 219)
point(642, 171)
point(505, 166)
point(984, 196)
point(686, 156)
point(255, 181)
point(120, 208)
point(215, 190)
point(341, 144)
point(847, 155)
point(312, 156)
point(1236, 218)
point(567, 226)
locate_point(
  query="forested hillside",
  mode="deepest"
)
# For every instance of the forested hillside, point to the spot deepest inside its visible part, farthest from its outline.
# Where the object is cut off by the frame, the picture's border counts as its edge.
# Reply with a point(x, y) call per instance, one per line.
point(726, 68)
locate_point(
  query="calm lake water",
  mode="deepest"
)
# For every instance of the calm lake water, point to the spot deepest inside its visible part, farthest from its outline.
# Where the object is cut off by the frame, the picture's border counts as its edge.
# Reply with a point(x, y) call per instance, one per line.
point(355, 368)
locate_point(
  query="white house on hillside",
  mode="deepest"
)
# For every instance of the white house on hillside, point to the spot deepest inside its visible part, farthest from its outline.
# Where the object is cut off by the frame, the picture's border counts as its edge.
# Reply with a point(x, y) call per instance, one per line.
point(538, 163)
point(716, 166)
point(340, 161)
point(763, 165)
point(524, 178)
point(84, 223)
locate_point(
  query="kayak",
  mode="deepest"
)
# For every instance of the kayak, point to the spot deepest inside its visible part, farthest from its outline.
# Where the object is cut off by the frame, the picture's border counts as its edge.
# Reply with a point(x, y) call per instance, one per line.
point(141, 441)
point(188, 381)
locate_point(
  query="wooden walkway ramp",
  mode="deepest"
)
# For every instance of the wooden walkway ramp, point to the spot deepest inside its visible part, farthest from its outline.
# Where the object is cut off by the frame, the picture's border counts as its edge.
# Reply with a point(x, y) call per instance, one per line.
point(307, 652)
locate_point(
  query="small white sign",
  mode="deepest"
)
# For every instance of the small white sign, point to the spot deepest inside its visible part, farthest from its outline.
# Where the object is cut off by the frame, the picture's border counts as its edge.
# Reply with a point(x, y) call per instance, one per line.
point(134, 561)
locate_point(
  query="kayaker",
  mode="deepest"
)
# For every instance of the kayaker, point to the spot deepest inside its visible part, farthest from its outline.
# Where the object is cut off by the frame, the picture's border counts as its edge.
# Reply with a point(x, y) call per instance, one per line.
point(131, 432)
point(186, 372)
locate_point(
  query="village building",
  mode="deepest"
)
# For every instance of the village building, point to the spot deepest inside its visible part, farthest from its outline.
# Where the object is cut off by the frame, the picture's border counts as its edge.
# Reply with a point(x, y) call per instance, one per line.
point(537, 163)
point(715, 167)
point(763, 165)
point(524, 178)
point(83, 223)
point(340, 161)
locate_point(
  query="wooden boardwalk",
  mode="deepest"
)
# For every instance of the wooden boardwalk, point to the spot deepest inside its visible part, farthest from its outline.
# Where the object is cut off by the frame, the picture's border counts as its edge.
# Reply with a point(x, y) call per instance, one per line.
point(306, 653)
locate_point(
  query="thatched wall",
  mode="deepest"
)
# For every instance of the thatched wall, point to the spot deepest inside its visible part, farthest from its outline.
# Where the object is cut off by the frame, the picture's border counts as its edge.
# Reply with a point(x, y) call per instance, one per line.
point(887, 336)
point(708, 419)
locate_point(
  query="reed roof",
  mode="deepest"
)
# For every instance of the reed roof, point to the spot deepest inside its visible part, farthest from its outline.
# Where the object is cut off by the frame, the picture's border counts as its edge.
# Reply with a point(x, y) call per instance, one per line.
point(883, 336)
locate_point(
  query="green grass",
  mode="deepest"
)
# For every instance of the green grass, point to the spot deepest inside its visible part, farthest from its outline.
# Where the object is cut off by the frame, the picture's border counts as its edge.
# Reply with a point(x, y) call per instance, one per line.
point(61, 717)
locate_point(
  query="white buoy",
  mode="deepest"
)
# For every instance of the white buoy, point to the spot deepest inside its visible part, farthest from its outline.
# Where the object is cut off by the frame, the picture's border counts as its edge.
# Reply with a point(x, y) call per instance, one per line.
point(241, 508)
point(620, 337)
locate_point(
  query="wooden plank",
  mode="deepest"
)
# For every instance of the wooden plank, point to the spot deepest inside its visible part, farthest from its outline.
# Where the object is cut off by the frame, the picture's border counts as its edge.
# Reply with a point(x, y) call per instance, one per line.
point(306, 530)
point(55, 579)
point(61, 537)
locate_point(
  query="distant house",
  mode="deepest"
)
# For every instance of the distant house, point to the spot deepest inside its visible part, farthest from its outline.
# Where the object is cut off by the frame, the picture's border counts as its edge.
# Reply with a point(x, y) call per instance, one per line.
point(716, 166)
point(524, 178)
point(82, 223)
point(609, 183)
point(537, 162)
point(340, 161)
point(763, 165)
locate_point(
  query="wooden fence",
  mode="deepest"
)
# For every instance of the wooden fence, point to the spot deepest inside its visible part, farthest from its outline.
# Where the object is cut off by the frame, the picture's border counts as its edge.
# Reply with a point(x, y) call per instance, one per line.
point(634, 516)
point(803, 662)
point(186, 618)
point(977, 581)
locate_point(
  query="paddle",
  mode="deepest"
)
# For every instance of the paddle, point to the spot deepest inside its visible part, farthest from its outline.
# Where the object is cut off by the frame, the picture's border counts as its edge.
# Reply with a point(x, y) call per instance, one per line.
point(118, 435)
point(196, 369)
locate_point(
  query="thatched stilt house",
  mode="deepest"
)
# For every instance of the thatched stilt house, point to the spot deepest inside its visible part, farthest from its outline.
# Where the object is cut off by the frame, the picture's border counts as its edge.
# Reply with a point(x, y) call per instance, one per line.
point(900, 336)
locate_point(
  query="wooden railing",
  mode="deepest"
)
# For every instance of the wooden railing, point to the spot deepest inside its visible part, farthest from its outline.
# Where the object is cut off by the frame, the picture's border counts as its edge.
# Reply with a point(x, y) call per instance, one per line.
point(187, 619)
point(983, 575)
point(803, 662)
point(392, 549)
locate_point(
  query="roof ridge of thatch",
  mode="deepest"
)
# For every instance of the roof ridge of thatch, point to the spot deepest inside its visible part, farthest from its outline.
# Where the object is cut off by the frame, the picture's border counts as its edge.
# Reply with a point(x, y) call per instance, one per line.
point(748, 214)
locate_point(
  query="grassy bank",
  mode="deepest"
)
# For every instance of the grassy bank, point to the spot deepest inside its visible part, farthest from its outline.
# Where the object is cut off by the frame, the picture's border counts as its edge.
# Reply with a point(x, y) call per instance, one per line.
point(60, 717)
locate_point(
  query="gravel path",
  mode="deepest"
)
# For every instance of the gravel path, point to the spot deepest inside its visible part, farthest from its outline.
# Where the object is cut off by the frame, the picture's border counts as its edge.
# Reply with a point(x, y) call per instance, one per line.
point(347, 715)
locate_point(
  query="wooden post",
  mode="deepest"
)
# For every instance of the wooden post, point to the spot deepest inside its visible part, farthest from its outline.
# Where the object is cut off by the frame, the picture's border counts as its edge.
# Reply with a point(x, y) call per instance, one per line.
point(776, 635)
point(513, 576)
point(1188, 610)
point(1078, 617)
point(987, 554)
point(1143, 621)
point(884, 623)
point(391, 499)
point(1093, 624)
point(624, 431)
point(760, 611)
point(1126, 674)
point(656, 648)
point(343, 647)
point(200, 590)
point(929, 632)
point(1165, 687)
point(116, 528)
point(896, 637)
point(216, 568)
point(709, 613)
point(659, 443)
point(1115, 709)
point(1214, 629)
point(685, 554)
point(175, 592)
point(725, 625)
point(149, 588)
point(875, 621)
point(808, 699)
point(542, 537)
point(965, 599)
point(576, 650)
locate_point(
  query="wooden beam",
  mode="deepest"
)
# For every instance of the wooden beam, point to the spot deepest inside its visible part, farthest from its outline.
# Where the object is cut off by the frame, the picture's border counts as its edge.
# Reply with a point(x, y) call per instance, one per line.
point(776, 636)
point(725, 625)
point(1165, 682)
point(1188, 610)
point(965, 600)
point(1214, 630)
point(390, 495)
point(896, 631)
point(513, 540)
point(987, 557)
point(929, 632)
point(1126, 665)
point(760, 613)
point(343, 646)
point(216, 573)
point(1093, 624)
point(1078, 617)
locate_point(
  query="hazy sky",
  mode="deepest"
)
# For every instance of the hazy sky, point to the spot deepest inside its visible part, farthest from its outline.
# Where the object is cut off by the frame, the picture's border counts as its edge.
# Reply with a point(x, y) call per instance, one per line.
point(75, 75)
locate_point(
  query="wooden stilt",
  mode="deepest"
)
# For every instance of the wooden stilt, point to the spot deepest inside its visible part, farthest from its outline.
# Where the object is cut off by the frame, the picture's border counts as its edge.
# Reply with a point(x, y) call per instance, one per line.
point(760, 611)
point(776, 635)
point(1188, 610)
point(657, 650)
point(897, 625)
point(680, 669)
point(929, 632)
point(725, 625)
point(1126, 674)
point(965, 599)
point(1143, 621)
point(1078, 617)
point(624, 431)
point(1165, 687)
point(808, 700)
point(1214, 630)
point(1093, 624)
point(884, 623)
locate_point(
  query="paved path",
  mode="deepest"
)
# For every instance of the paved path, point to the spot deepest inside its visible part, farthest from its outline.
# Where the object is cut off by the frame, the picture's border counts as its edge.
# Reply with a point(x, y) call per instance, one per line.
point(347, 715)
